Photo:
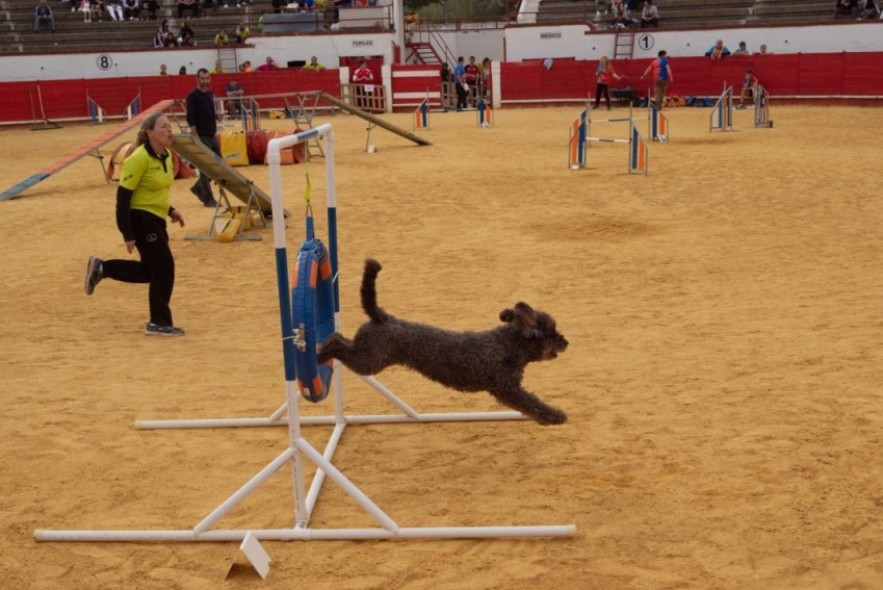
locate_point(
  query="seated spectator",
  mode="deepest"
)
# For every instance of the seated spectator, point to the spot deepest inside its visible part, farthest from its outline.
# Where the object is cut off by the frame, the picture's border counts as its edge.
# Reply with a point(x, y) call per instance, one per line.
point(182, 71)
point(162, 70)
point(209, 8)
point(168, 36)
point(115, 9)
point(743, 49)
point(221, 38)
point(131, 9)
point(867, 9)
point(150, 8)
point(234, 93)
point(187, 35)
point(245, 67)
point(188, 5)
point(621, 18)
point(159, 40)
point(717, 51)
point(86, 9)
point(314, 65)
point(279, 6)
point(98, 10)
point(218, 69)
point(650, 15)
point(846, 8)
point(242, 33)
point(762, 50)
point(43, 14)
point(269, 66)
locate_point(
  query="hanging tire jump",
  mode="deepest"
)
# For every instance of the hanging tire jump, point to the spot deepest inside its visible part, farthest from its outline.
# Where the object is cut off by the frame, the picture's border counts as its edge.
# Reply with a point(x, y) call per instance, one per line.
point(312, 313)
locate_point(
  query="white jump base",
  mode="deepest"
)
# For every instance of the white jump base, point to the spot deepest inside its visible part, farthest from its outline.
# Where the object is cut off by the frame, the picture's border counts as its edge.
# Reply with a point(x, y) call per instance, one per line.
point(299, 448)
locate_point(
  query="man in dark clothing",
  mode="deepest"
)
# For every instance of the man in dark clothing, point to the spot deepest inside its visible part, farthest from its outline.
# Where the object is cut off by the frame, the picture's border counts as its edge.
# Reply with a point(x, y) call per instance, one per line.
point(202, 119)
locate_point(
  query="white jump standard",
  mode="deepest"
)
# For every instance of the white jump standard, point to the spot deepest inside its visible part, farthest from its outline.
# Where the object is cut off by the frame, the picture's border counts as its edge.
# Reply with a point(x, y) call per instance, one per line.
point(299, 448)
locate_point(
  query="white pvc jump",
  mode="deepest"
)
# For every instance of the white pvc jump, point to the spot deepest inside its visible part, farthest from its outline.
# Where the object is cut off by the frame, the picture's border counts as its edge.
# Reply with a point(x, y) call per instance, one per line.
point(299, 449)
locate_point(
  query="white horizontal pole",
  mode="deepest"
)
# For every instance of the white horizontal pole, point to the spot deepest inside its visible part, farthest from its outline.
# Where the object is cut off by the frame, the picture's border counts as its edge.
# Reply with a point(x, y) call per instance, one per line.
point(623, 120)
point(605, 140)
point(477, 532)
point(326, 420)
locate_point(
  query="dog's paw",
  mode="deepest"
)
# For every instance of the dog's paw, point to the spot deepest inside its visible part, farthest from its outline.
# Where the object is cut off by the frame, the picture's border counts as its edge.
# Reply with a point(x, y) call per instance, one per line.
point(551, 417)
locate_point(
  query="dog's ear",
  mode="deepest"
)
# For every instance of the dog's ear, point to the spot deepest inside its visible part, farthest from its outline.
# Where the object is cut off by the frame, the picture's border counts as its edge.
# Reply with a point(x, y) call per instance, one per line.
point(507, 315)
point(526, 319)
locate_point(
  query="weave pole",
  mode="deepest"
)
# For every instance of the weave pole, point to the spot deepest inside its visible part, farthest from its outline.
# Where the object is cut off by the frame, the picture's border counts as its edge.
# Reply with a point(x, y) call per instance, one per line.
point(639, 153)
point(421, 115)
point(96, 113)
point(722, 113)
point(658, 123)
point(762, 107)
point(485, 114)
point(576, 155)
point(133, 109)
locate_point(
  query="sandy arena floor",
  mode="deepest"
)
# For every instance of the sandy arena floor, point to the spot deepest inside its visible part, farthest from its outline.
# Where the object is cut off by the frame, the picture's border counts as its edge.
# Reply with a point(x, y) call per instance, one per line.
point(723, 379)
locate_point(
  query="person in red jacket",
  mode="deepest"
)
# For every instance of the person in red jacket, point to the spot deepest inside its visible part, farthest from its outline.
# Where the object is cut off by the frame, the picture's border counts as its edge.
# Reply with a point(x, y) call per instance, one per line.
point(363, 78)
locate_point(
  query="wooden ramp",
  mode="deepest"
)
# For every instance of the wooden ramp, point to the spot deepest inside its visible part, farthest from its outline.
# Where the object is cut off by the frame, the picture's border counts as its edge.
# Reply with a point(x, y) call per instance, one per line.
point(215, 167)
point(373, 119)
point(83, 151)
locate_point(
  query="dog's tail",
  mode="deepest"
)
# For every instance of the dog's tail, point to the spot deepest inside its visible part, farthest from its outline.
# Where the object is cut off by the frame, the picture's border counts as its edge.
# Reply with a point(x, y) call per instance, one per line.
point(369, 292)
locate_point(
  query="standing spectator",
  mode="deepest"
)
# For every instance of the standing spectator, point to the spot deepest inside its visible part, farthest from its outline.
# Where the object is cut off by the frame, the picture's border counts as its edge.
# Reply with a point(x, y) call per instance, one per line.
point(234, 94)
point(650, 15)
point(662, 77)
point(606, 74)
point(43, 14)
point(717, 51)
point(743, 49)
point(460, 83)
point(187, 35)
point(268, 66)
point(131, 9)
point(203, 123)
point(364, 79)
point(242, 33)
point(749, 88)
point(221, 38)
point(115, 9)
point(472, 78)
point(142, 206)
point(314, 65)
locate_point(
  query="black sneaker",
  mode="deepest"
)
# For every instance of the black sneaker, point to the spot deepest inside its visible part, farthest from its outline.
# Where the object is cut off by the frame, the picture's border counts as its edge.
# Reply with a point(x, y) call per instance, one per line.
point(94, 273)
point(210, 202)
point(152, 329)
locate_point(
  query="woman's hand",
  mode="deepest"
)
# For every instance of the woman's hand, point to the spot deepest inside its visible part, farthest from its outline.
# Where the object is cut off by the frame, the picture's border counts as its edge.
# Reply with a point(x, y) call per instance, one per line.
point(176, 217)
point(130, 246)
